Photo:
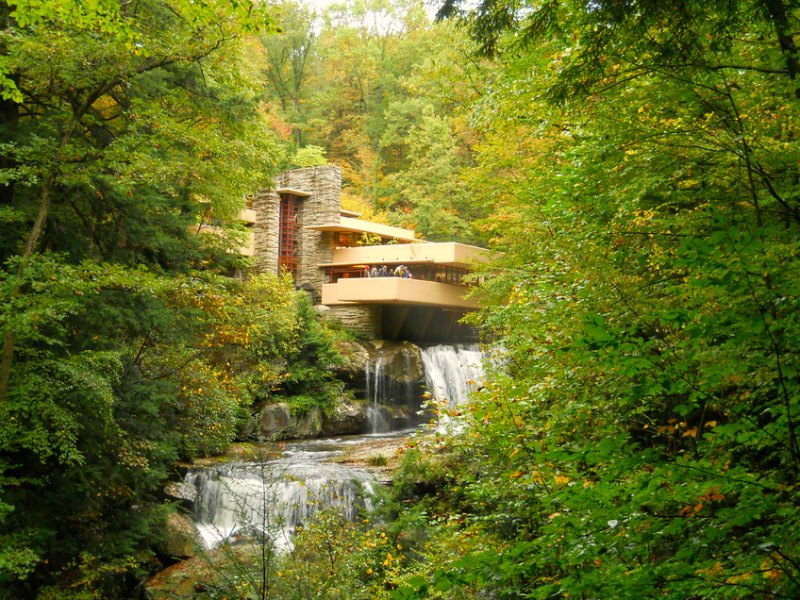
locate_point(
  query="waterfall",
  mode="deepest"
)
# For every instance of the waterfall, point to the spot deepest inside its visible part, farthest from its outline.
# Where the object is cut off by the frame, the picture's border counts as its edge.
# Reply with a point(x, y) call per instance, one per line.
point(273, 498)
point(392, 404)
point(377, 421)
point(393, 377)
point(452, 372)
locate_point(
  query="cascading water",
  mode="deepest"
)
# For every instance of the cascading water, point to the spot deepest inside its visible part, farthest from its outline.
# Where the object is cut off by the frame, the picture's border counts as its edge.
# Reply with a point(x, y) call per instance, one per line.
point(376, 392)
point(392, 404)
point(274, 497)
point(452, 372)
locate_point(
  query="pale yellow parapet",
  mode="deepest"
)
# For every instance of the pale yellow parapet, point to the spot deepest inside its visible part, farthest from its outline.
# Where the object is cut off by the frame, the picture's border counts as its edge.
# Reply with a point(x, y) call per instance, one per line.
point(248, 216)
point(351, 225)
point(249, 247)
point(396, 290)
point(452, 254)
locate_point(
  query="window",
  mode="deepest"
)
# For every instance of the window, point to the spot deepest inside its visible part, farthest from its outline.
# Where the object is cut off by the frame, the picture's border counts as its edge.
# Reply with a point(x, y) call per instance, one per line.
point(289, 235)
point(343, 239)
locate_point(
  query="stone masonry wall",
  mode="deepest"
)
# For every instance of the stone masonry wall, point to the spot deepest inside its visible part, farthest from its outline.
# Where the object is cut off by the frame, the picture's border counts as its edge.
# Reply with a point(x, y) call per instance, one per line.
point(265, 231)
point(322, 206)
point(364, 320)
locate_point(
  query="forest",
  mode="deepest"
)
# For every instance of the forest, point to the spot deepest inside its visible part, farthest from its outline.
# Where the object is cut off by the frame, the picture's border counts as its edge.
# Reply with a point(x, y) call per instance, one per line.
point(635, 163)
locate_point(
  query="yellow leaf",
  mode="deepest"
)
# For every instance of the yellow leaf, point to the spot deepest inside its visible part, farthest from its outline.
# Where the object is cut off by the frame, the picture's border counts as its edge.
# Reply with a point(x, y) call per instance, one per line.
point(738, 578)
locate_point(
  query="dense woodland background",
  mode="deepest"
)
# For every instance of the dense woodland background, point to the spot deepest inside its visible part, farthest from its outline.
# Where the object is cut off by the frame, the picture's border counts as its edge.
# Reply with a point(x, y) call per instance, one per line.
point(636, 161)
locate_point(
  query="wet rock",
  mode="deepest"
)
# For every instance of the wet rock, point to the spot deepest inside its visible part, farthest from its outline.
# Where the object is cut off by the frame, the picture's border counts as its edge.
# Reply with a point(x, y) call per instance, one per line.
point(184, 580)
point(275, 422)
point(180, 538)
point(355, 356)
point(181, 492)
point(347, 418)
point(309, 424)
point(400, 361)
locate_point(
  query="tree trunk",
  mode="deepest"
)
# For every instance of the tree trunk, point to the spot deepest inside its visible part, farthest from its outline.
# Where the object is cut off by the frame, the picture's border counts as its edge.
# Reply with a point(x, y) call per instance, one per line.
point(10, 337)
point(776, 11)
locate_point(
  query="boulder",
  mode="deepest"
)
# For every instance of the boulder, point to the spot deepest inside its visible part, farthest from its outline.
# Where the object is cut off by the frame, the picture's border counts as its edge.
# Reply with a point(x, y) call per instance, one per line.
point(275, 422)
point(400, 361)
point(182, 493)
point(355, 356)
point(309, 424)
point(183, 580)
point(347, 418)
point(180, 538)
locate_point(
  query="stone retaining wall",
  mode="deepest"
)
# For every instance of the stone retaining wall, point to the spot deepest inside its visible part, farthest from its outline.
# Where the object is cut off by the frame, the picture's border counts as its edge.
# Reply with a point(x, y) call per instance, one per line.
point(364, 320)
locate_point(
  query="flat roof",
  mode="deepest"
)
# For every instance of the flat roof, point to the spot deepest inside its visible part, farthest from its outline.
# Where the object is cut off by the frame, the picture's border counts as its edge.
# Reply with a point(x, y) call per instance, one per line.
point(292, 192)
point(350, 225)
point(411, 261)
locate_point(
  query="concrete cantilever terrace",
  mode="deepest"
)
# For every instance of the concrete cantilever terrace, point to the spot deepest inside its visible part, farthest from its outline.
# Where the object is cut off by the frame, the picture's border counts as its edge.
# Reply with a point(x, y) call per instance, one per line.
point(301, 229)
point(435, 272)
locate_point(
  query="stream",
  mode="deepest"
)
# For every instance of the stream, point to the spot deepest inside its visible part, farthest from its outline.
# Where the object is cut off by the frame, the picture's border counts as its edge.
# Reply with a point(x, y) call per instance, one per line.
point(274, 496)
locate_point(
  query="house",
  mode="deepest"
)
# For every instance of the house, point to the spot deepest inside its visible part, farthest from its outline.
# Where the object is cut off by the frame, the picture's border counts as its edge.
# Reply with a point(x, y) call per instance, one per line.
point(300, 228)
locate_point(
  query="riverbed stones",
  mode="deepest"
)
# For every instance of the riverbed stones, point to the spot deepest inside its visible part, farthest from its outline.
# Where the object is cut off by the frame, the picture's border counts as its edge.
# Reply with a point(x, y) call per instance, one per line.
point(186, 579)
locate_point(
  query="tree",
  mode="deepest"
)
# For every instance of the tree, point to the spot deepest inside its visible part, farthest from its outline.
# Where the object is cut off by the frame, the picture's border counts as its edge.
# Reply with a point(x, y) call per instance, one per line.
point(85, 111)
point(309, 156)
point(120, 124)
point(425, 194)
point(290, 62)
point(642, 441)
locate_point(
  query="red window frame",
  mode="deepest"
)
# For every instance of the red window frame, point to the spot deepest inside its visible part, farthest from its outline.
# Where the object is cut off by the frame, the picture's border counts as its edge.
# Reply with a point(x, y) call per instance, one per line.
point(289, 235)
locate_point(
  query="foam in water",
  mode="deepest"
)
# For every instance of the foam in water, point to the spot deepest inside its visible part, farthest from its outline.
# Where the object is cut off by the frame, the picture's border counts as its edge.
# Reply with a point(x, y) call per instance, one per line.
point(274, 498)
point(452, 372)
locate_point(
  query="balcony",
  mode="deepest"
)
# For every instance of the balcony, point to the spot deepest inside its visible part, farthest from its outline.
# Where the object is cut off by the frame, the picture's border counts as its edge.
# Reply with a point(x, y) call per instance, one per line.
point(248, 216)
point(446, 253)
point(396, 290)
